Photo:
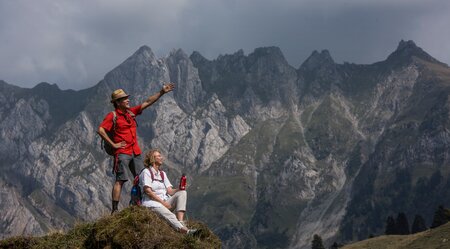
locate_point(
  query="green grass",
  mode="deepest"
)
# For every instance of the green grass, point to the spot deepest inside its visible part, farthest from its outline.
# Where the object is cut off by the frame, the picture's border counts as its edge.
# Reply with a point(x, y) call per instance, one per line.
point(255, 144)
point(430, 239)
point(264, 136)
point(306, 115)
point(226, 201)
point(134, 227)
point(329, 132)
point(290, 136)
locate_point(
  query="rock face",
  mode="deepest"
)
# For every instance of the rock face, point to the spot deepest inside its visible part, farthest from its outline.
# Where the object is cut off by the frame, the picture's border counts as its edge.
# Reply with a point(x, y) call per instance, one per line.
point(273, 154)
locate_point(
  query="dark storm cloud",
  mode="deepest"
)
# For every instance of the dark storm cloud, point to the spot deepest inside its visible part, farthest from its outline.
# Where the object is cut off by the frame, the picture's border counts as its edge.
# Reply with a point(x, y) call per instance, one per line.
point(74, 43)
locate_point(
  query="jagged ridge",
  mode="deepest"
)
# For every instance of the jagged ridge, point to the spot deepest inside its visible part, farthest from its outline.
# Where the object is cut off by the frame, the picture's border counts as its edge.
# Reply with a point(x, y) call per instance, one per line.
point(273, 154)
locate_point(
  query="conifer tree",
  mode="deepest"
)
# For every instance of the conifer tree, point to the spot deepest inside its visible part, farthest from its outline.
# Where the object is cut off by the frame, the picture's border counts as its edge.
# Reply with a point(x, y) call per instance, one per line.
point(401, 224)
point(418, 224)
point(335, 245)
point(317, 242)
point(441, 216)
point(390, 226)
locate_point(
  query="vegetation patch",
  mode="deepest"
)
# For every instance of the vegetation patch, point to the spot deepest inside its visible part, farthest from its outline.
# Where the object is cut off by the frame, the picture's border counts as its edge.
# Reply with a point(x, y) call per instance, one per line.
point(224, 202)
point(134, 227)
point(432, 238)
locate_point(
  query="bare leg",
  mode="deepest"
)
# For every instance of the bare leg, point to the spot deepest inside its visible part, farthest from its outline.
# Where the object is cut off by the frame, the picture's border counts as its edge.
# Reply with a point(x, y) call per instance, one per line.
point(178, 203)
point(180, 215)
point(117, 189)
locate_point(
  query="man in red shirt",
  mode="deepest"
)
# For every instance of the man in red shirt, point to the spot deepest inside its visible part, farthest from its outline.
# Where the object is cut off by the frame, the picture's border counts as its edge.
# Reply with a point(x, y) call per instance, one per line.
point(127, 152)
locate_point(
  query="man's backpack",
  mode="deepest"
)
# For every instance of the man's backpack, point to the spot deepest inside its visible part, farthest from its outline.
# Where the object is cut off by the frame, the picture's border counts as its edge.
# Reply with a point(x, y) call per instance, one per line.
point(136, 192)
point(105, 145)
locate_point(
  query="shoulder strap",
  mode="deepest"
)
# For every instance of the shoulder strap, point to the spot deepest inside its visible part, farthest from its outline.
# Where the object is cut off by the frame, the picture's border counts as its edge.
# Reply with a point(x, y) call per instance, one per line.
point(133, 116)
point(114, 119)
point(153, 176)
point(131, 113)
point(162, 173)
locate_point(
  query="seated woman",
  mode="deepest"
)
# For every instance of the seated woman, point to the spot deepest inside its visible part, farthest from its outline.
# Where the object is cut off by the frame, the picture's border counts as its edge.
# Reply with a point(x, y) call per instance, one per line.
point(159, 195)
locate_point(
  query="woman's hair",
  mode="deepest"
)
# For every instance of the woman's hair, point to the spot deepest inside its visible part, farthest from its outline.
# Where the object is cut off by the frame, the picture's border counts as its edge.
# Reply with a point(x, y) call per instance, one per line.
point(149, 159)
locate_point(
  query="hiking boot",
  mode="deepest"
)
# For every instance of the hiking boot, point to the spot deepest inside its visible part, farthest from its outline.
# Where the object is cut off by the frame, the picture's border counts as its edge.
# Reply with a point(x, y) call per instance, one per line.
point(193, 232)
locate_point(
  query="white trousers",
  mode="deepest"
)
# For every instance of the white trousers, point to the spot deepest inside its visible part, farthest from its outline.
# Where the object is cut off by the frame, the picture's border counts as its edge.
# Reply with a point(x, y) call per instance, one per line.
point(178, 201)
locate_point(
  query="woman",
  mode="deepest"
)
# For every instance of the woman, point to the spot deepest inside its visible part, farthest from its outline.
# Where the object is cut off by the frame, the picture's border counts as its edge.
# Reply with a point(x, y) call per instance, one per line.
point(159, 194)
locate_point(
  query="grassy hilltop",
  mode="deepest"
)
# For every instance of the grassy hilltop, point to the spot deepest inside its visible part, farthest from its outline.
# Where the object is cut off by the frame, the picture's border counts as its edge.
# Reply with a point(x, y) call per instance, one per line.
point(431, 239)
point(134, 227)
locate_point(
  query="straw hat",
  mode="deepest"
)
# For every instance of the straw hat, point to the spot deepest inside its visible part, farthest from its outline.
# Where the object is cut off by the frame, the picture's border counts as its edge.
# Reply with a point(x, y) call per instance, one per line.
point(117, 94)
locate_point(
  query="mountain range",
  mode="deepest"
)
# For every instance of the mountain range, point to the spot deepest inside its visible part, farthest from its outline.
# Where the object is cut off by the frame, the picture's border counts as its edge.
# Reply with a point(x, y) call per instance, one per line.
point(273, 154)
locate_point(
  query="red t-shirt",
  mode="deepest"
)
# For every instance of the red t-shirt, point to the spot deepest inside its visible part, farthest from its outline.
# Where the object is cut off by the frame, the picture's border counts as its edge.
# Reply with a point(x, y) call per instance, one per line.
point(125, 130)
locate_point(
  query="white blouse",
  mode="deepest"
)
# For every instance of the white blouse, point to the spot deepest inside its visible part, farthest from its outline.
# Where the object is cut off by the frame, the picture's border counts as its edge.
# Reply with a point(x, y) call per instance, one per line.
point(158, 186)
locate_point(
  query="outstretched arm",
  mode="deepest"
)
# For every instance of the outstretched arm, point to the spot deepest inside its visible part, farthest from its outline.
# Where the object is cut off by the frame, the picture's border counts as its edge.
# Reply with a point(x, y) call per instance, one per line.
point(152, 99)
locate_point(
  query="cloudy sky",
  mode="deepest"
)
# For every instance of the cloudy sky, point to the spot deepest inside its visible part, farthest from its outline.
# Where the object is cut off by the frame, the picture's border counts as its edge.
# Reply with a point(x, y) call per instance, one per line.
point(74, 43)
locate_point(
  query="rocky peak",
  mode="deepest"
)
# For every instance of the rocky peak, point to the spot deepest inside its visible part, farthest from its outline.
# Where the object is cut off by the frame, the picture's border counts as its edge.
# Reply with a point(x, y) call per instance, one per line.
point(8, 88)
point(233, 62)
point(144, 53)
point(266, 62)
point(62, 104)
point(269, 54)
point(317, 60)
point(318, 73)
point(136, 72)
point(143, 56)
point(178, 54)
point(44, 86)
point(406, 50)
point(197, 58)
point(406, 45)
point(237, 54)
point(183, 73)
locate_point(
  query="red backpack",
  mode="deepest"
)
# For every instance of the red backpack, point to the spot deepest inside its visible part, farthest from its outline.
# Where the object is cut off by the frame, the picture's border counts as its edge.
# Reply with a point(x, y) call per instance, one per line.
point(136, 192)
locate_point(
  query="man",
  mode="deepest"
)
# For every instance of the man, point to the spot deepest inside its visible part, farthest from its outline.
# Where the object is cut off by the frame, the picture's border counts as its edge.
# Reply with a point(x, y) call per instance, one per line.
point(159, 195)
point(127, 153)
